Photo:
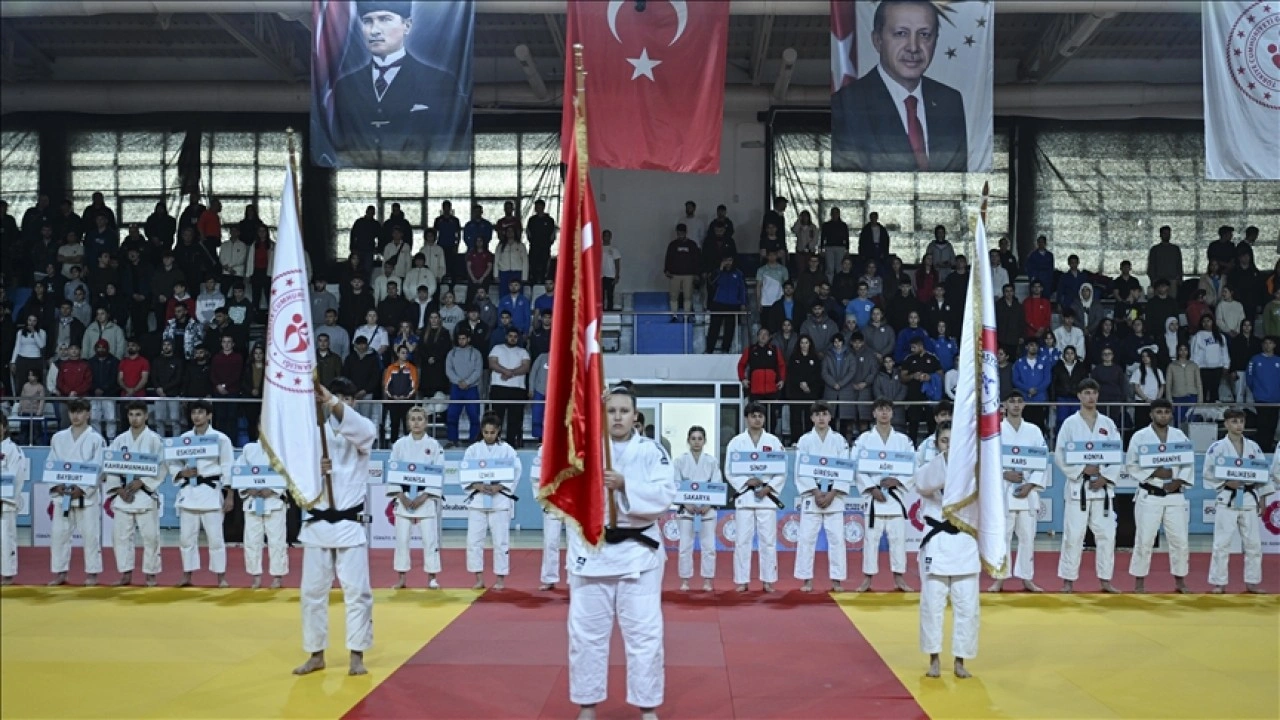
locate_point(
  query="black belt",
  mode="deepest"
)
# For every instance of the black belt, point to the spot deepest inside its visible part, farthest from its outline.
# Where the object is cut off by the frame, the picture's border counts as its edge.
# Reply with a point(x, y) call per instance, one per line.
point(124, 484)
point(936, 527)
point(503, 492)
point(1247, 489)
point(893, 493)
point(211, 481)
point(330, 515)
point(1157, 491)
point(66, 490)
point(1106, 498)
point(613, 536)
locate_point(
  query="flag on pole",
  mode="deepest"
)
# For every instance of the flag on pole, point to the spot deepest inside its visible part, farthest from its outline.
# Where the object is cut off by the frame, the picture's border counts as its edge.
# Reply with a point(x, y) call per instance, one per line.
point(973, 496)
point(844, 58)
point(572, 482)
point(1241, 89)
point(288, 431)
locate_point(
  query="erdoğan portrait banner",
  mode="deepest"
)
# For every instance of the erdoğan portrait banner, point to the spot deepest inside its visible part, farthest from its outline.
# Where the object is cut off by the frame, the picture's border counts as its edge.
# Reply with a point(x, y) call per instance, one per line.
point(912, 85)
point(391, 84)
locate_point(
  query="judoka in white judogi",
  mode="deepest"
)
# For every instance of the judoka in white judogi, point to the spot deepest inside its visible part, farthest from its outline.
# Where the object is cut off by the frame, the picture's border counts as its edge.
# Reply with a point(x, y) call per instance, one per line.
point(136, 500)
point(1022, 495)
point(697, 520)
point(263, 524)
point(622, 580)
point(1160, 500)
point(78, 443)
point(489, 507)
point(12, 462)
point(756, 513)
point(821, 507)
point(1237, 506)
point(887, 512)
point(1088, 497)
point(201, 501)
point(422, 508)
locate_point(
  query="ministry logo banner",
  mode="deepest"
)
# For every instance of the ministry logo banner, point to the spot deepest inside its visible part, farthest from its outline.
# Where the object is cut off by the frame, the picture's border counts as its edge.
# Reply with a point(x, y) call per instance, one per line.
point(1241, 89)
point(912, 85)
point(391, 84)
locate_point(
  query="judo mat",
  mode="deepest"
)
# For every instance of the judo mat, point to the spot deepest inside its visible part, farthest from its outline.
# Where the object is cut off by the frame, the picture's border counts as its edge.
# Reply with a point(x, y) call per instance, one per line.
point(208, 653)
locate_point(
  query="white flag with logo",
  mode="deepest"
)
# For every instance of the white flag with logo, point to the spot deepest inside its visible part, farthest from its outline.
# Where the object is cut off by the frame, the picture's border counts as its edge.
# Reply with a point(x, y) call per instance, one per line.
point(289, 433)
point(1241, 89)
point(973, 497)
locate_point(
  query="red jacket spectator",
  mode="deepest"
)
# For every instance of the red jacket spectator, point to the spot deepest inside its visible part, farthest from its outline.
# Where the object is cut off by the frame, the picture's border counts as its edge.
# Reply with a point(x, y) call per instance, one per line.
point(763, 368)
point(131, 371)
point(1037, 312)
point(75, 377)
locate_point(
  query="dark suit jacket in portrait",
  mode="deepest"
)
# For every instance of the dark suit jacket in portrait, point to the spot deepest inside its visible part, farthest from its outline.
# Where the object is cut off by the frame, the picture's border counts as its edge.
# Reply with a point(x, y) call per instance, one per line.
point(867, 134)
point(417, 115)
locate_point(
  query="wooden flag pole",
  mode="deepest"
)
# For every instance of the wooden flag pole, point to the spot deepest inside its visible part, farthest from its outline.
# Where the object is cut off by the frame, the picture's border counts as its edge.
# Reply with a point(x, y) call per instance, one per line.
point(584, 167)
point(324, 435)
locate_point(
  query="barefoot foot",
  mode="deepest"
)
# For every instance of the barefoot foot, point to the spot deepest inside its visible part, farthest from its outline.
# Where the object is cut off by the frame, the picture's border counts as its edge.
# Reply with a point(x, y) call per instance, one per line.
point(1068, 587)
point(742, 588)
point(151, 580)
point(587, 712)
point(768, 587)
point(552, 586)
point(1254, 588)
point(1031, 587)
point(222, 581)
point(185, 581)
point(707, 586)
point(313, 664)
point(501, 584)
point(807, 586)
point(684, 586)
point(90, 580)
point(865, 586)
point(935, 667)
point(1218, 589)
point(126, 578)
point(837, 587)
point(996, 586)
point(356, 666)
point(59, 579)
point(277, 583)
point(901, 584)
point(1140, 585)
point(257, 582)
point(6, 580)
point(960, 670)
point(1108, 588)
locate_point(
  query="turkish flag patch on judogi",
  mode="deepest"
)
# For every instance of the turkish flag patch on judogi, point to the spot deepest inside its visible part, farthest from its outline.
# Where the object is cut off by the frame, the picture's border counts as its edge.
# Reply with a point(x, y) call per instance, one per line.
point(655, 82)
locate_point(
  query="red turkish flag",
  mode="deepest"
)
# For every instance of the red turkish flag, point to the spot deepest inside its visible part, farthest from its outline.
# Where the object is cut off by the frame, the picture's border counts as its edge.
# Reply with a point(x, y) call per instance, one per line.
point(572, 482)
point(655, 79)
point(844, 58)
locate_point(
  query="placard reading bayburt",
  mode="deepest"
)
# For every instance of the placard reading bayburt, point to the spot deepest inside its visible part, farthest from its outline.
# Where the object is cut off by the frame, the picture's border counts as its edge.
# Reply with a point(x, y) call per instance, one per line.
point(417, 477)
point(697, 492)
point(71, 473)
point(1025, 457)
point(757, 464)
point(190, 448)
point(827, 472)
point(1095, 452)
point(1245, 470)
point(132, 464)
point(1166, 454)
point(886, 463)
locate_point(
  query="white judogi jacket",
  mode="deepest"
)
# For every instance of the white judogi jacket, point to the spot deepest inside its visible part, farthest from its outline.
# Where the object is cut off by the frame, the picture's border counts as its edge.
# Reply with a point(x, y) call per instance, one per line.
point(747, 499)
point(897, 442)
point(834, 446)
point(927, 450)
point(11, 461)
point(704, 469)
point(349, 444)
point(86, 448)
point(649, 491)
point(198, 497)
point(1225, 497)
point(1075, 429)
point(1027, 435)
point(1185, 473)
point(147, 442)
point(944, 553)
point(252, 455)
point(497, 451)
point(427, 450)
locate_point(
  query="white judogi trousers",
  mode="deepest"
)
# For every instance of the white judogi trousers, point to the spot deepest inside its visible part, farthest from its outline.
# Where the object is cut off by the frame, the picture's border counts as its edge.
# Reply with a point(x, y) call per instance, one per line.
point(1021, 523)
point(552, 529)
point(705, 529)
point(895, 526)
point(748, 524)
point(189, 524)
point(497, 524)
point(148, 525)
point(1103, 525)
point(88, 520)
point(271, 528)
point(1226, 522)
point(806, 548)
point(638, 604)
point(429, 529)
point(962, 590)
point(8, 543)
point(351, 566)
point(1149, 514)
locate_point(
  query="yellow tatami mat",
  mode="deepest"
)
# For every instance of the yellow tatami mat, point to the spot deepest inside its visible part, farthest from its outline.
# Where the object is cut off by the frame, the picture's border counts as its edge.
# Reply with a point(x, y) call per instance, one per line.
point(1091, 656)
point(193, 653)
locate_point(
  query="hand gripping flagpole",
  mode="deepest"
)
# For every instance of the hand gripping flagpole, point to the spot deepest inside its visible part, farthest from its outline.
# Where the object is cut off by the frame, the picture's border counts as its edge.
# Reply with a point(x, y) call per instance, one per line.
point(584, 168)
point(315, 374)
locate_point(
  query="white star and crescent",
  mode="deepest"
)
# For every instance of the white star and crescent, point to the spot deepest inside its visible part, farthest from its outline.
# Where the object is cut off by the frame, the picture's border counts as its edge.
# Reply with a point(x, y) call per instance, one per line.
point(644, 65)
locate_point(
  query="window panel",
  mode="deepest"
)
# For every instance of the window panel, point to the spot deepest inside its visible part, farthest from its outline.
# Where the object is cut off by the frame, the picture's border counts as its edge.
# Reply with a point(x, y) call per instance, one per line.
point(445, 185)
point(225, 180)
point(403, 183)
point(230, 148)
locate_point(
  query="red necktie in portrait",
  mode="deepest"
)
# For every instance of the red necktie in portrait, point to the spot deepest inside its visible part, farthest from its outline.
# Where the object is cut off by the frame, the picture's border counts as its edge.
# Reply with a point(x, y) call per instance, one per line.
point(915, 133)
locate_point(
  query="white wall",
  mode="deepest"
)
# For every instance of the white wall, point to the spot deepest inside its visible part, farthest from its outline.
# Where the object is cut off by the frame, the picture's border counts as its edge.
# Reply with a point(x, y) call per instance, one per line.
point(642, 207)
